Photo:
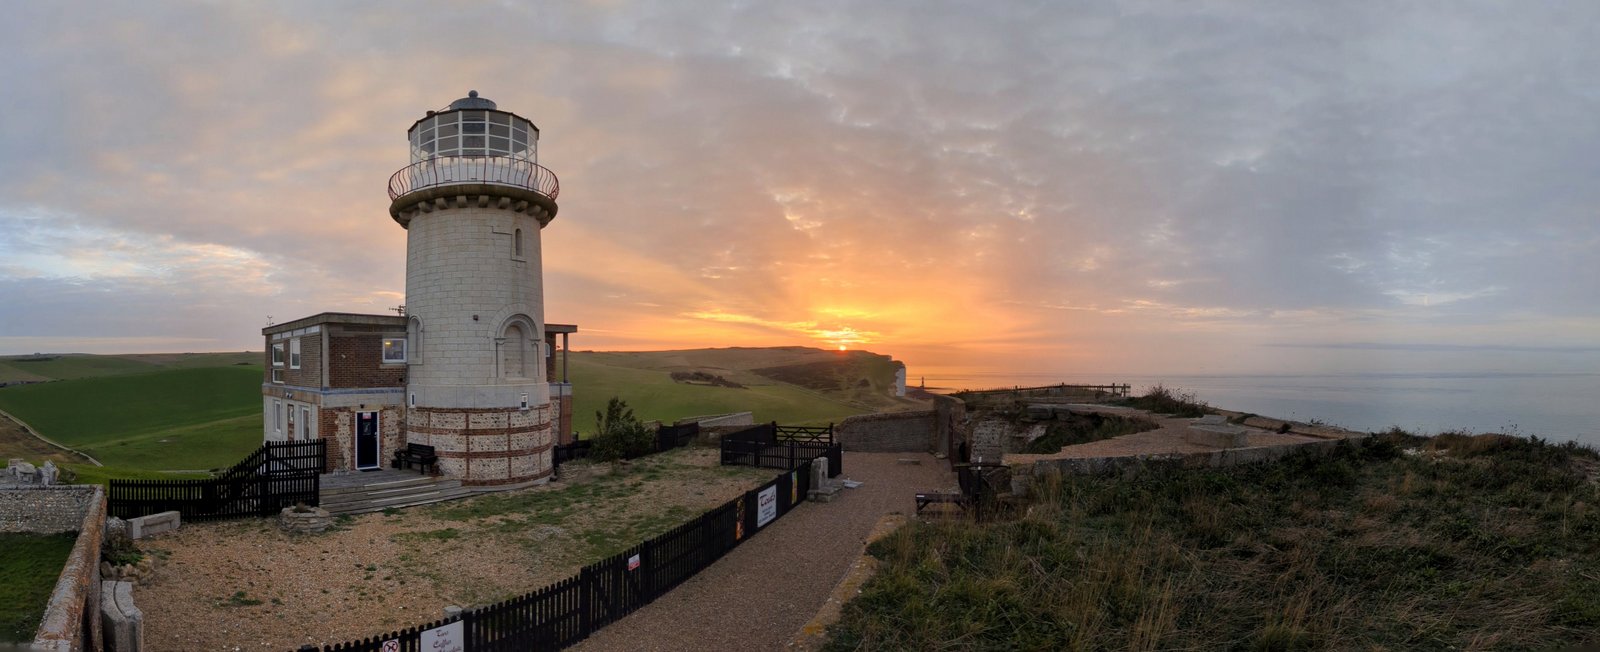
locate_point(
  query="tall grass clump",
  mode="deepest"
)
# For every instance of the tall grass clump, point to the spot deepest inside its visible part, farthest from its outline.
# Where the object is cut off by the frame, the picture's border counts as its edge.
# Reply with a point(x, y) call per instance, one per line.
point(1161, 399)
point(1393, 542)
point(1085, 428)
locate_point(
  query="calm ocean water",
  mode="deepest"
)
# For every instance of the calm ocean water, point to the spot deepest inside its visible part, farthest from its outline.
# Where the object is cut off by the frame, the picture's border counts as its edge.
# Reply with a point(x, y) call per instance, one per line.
point(1554, 406)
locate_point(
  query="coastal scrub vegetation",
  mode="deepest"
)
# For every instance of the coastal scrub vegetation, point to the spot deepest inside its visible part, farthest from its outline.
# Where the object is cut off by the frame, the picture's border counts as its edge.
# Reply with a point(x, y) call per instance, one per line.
point(1394, 542)
point(619, 434)
point(1085, 428)
point(1161, 399)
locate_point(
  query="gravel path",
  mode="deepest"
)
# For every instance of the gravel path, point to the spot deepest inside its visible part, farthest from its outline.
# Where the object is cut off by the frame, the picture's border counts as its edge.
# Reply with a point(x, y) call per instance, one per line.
point(246, 585)
point(763, 592)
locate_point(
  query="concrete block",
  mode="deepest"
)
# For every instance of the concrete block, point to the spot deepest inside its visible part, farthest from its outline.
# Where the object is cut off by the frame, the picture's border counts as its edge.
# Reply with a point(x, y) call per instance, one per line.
point(1218, 436)
point(823, 488)
point(121, 621)
point(145, 526)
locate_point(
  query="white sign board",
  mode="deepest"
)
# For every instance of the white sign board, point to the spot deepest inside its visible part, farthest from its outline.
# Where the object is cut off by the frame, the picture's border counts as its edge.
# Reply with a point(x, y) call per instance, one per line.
point(766, 505)
point(449, 638)
point(633, 563)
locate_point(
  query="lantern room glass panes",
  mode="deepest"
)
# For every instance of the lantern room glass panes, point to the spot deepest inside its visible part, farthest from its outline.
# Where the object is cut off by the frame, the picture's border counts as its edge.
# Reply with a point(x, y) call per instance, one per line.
point(474, 133)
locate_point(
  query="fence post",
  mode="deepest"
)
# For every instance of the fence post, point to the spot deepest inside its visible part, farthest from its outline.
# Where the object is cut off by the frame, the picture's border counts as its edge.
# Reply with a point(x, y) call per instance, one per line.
point(585, 598)
point(646, 587)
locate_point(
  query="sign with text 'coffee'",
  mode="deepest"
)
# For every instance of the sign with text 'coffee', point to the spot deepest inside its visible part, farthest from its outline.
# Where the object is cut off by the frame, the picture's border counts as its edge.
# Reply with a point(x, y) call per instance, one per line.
point(449, 638)
point(766, 506)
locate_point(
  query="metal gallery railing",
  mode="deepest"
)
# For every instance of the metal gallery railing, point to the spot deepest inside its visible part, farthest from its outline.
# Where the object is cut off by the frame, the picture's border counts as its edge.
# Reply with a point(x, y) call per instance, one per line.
point(492, 170)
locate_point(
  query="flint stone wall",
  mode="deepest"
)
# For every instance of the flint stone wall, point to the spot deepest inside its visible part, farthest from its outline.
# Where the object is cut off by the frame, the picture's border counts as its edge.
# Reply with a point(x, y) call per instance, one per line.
point(71, 622)
point(889, 432)
point(45, 510)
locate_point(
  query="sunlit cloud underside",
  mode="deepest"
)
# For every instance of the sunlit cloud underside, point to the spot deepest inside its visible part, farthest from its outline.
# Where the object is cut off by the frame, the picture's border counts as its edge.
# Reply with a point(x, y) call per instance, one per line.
point(1162, 187)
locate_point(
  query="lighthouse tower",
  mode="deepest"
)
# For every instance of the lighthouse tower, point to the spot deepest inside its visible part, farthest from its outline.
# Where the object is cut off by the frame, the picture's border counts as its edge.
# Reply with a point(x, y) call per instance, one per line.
point(473, 202)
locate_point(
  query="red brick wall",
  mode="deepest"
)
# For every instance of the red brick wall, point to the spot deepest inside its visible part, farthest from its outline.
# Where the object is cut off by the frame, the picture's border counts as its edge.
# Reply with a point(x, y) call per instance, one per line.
point(328, 422)
point(564, 433)
point(355, 359)
point(310, 372)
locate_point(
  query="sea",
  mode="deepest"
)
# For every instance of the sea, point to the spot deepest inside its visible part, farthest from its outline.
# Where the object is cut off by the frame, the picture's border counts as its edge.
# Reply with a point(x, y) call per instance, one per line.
point(1555, 406)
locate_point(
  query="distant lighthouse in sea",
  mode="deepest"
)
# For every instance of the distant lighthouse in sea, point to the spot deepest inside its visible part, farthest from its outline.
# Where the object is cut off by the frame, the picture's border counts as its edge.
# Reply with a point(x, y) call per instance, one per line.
point(473, 202)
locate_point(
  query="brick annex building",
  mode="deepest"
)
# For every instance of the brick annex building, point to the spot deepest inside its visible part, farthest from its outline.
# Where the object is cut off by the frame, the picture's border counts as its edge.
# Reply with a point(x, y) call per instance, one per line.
point(470, 367)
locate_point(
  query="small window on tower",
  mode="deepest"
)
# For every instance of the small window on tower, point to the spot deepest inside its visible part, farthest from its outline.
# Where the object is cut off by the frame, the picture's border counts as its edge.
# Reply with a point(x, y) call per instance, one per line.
point(516, 244)
point(394, 350)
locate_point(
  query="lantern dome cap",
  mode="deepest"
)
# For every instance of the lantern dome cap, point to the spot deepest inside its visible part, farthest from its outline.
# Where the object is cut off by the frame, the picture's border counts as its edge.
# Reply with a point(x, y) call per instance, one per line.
point(472, 101)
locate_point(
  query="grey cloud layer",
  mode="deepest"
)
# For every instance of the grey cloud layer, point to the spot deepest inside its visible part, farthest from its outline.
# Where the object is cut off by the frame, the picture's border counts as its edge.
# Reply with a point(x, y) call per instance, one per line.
point(1218, 160)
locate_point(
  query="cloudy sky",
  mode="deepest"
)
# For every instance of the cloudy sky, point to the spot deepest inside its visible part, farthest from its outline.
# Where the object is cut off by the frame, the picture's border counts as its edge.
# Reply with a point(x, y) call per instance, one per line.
point(1146, 187)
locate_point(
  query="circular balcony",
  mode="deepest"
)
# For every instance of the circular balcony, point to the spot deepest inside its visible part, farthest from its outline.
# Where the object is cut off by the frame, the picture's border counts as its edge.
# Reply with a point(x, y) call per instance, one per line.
point(474, 170)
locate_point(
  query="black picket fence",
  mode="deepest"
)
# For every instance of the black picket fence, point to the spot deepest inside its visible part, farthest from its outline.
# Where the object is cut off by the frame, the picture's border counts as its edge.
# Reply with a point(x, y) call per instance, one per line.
point(772, 433)
point(578, 450)
point(771, 446)
point(782, 455)
point(812, 434)
point(670, 437)
point(564, 613)
point(667, 438)
point(277, 475)
point(282, 458)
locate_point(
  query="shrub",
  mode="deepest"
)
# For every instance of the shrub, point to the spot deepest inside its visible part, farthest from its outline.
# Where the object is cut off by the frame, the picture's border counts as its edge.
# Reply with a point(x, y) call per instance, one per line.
point(619, 434)
point(1163, 400)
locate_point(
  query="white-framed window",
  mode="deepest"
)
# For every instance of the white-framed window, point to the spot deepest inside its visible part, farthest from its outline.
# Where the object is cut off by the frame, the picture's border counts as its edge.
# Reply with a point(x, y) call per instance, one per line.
point(277, 354)
point(277, 417)
point(277, 374)
point(294, 353)
point(305, 423)
point(474, 132)
point(394, 350)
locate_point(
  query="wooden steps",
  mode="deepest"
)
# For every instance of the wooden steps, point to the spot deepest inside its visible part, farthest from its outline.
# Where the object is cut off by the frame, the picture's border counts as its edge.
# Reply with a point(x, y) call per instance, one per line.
point(389, 490)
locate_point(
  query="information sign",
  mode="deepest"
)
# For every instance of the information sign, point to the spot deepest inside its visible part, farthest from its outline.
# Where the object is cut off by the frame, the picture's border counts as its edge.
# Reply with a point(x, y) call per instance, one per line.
point(449, 638)
point(766, 506)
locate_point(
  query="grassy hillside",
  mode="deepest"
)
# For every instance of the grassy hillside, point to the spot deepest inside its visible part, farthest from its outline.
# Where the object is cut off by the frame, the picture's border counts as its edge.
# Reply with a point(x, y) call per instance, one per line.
point(68, 366)
point(179, 418)
point(201, 411)
point(1460, 542)
point(643, 380)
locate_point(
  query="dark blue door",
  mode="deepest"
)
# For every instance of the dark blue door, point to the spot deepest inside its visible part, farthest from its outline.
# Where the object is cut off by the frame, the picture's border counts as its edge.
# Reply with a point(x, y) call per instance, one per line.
point(366, 440)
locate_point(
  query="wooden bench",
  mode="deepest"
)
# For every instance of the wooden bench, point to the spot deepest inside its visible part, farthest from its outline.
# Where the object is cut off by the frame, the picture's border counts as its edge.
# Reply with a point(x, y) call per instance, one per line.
point(977, 489)
point(420, 454)
point(942, 498)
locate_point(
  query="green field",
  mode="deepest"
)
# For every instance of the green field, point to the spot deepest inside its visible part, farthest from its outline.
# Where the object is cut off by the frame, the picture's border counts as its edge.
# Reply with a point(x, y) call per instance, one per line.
point(642, 378)
point(69, 366)
point(183, 417)
point(196, 411)
point(29, 566)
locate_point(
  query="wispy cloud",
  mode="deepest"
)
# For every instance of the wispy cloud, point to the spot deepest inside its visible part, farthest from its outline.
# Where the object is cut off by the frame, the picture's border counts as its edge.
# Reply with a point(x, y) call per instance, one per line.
point(1161, 185)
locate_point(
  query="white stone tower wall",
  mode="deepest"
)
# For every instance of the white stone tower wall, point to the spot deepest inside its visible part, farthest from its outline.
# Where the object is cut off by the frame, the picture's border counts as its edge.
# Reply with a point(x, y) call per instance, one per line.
point(460, 263)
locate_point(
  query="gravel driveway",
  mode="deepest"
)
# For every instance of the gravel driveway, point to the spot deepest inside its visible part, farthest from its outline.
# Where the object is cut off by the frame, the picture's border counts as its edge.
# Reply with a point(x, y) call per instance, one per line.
point(763, 592)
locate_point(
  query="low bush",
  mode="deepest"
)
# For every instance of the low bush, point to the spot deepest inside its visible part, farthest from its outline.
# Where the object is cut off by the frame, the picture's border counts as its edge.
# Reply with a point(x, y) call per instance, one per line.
point(619, 434)
point(1393, 542)
point(1164, 400)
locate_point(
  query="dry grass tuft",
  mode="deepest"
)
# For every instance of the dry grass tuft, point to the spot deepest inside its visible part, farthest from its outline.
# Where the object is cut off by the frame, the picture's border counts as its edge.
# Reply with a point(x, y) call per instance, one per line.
point(1488, 542)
